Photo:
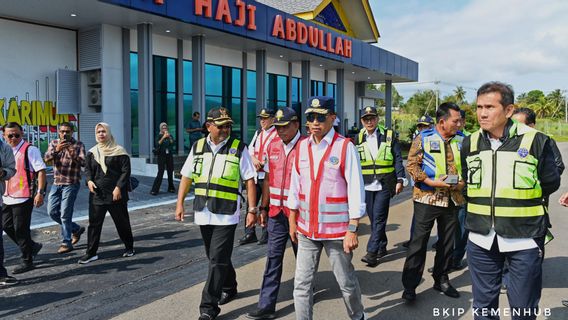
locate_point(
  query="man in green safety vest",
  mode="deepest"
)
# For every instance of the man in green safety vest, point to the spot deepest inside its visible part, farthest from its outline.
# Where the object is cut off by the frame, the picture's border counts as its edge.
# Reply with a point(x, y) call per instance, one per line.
point(218, 164)
point(384, 177)
point(509, 169)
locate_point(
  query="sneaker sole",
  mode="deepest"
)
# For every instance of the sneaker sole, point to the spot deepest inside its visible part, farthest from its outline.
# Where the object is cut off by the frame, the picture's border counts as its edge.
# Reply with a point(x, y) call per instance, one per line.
point(94, 258)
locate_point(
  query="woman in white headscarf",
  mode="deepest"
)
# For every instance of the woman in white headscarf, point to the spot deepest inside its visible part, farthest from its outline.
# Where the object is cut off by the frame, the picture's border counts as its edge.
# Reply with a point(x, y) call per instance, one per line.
point(108, 174)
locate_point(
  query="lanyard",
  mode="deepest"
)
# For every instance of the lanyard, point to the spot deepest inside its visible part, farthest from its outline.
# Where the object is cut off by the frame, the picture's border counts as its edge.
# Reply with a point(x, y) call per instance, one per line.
point(325, 156)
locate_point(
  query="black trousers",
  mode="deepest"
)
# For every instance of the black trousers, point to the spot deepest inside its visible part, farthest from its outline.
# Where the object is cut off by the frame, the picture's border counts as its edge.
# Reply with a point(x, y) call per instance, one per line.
point(425, 215)
point(16, 221)
point(252, 229)
point(119, 213)
point(221, 277)
point(165, 161)
point(3, 271)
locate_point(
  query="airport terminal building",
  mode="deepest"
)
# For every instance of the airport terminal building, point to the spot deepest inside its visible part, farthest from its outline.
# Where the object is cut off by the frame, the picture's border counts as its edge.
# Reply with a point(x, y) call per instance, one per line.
point(137, 63)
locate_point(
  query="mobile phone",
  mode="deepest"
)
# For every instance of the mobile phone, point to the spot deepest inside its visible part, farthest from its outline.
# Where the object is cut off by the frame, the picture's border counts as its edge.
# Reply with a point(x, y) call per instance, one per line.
point(452, 179)
point(67, 137)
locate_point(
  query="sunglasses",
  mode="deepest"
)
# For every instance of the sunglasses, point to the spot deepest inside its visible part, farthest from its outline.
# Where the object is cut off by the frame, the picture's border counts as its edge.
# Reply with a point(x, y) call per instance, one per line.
point(64, 131)
point(310, 117)
point(369, 119)
point(224, 127)
point(16, 135)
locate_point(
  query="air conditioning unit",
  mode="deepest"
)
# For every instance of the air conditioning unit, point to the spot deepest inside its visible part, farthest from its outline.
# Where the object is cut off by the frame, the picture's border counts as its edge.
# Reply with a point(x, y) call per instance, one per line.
point(95, 97)
point(94, 77)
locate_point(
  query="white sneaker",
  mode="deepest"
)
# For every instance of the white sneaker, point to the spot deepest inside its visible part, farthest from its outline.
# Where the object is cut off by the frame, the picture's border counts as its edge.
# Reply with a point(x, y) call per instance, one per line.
point(88, 258)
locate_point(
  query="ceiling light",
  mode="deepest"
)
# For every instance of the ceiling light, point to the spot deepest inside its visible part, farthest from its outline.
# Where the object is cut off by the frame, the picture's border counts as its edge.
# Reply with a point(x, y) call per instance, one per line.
point(352, 72)
point(73, 14)
point(321, 65)
point(369, 78)
point(281, 56)
point(168, 31)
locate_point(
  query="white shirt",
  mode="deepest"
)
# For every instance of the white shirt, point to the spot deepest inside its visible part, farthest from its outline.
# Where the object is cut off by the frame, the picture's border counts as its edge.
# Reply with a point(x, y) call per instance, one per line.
point(206, 217)
point(257, 140)
point(354, 178)
point(36, 164)
point(287, 148)
point(373, 144)
point(504, 244)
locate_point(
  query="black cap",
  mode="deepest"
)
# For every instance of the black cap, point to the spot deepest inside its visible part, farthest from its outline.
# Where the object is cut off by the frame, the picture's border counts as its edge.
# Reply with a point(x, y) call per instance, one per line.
point(265, 113)
point(321, 105)
point(369, 111)
point(219, 116)
point(284, 116)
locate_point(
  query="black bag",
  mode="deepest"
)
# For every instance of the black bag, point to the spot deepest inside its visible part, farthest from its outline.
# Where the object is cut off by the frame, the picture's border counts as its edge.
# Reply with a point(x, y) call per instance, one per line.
point(156, 150)
point(133, 184)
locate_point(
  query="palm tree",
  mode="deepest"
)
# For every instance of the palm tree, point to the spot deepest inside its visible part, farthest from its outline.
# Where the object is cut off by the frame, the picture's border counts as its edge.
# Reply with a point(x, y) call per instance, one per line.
point(556, 100)
point(459, 94)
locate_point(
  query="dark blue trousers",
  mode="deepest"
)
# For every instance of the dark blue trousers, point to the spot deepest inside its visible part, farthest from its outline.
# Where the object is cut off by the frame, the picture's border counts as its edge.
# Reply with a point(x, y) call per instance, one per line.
point(3, 272)
point(525, 279)
point(278, 235)
point(378, 212)
point(252, 229)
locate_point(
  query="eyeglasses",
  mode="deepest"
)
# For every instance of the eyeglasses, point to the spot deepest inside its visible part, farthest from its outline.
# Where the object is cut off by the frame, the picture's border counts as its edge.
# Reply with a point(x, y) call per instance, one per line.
point(369, 119)
point(224, 127)
point(310, 117)
point(15, 135)
point(64, 131)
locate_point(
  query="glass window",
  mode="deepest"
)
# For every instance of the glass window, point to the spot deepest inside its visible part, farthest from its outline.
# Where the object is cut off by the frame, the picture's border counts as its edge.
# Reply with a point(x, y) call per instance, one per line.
point(331, 90)
point(187, 77)
point(251, 84)
point(134, 70)
point(134, 103)
point(165, 94)
point(213, 80)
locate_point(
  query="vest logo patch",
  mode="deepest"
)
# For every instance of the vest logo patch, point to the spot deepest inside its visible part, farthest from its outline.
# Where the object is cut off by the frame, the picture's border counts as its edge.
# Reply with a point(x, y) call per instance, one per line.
point(232, 151)
point(334, 160)
point(435, 145)
point(523, 152)
point(274, 157)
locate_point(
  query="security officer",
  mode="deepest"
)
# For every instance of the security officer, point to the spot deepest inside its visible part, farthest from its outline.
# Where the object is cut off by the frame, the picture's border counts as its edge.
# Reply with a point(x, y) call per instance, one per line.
point(326, 201)
point(434, 163)
point(509, 169)
point(281, 153)
point(218, 164)
point(259, 144)
point(384, 177)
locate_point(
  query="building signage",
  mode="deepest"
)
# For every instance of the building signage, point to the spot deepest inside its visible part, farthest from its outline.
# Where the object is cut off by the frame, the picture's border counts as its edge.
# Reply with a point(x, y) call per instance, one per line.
point(246, 13)
point(35, 113)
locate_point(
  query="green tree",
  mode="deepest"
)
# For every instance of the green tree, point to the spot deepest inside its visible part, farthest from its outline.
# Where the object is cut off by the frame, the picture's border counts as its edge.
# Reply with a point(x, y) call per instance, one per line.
point(556, 100)
point(397, 99)
point(421, 103)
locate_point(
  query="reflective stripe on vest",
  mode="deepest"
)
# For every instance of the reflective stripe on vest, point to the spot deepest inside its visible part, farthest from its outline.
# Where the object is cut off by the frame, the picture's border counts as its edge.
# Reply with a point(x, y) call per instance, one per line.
point(261, 144)
point(434, 156)
point(324, 210)
point(19, 186)
point(372, 167)
point(515, 190)
point(217, 177)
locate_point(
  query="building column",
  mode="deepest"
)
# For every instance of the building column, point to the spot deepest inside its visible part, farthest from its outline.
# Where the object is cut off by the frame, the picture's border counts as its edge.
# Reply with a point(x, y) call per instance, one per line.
point(126, 101)
point(180, 132)
point(198, 75)
point(289, 83)
point(325, 80)
point(306, 79)
point(340, 98)
point(145, 90)
point(260, 81)
point(244, 99)
point(388, 104)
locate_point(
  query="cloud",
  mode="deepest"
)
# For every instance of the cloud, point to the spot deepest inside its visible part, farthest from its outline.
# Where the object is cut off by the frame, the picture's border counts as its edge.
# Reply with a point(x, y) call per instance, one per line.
point(482, 40)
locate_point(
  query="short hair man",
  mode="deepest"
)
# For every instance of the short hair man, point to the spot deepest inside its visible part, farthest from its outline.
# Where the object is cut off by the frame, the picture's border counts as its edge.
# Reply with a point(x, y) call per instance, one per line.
point(68, 156)
point(218, 164)
point(21, 194)
point(509, 169)
point(281, 154)
point(194, 129)
point(384, 177)
point(326, 201)
point(434, 157)
point(7, 170)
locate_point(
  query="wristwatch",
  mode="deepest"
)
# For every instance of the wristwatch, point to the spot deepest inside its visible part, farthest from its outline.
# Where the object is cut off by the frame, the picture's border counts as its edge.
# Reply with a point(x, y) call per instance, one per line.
point(42, 192)
point(253, 210)
point(352, 228)
point(262, 208)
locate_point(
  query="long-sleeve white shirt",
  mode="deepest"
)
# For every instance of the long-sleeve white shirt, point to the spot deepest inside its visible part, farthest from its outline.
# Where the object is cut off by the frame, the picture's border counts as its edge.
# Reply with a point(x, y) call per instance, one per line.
point(352, 173)
point(265, 136)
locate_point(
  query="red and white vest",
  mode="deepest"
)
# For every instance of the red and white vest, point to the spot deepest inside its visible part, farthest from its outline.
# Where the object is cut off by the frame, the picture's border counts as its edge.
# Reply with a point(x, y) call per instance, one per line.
point(280, 166)
point(324, 209)
point(261, 143)
point(19, 185)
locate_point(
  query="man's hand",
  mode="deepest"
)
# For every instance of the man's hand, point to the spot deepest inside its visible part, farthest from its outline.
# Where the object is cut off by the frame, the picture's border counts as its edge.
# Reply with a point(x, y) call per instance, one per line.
point(564, 200)
point(250, 220)
point(398, 188)
point(61, 145)
point(459, 186)
point(438, 183)
point(116, 194)
point(92, 186)
point(179, 215)
point(257, 164)
point(38, 200)
point(350, 242)
point(293, 231)
point(263, 218)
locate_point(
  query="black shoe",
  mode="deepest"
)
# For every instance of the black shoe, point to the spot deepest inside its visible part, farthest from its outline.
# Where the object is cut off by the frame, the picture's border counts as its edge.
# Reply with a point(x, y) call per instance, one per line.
point(128, 253)
point(262, 314)
point(503, 289)
point(24, 267)
point(371, 259)
point(153, 193)
point(457, 267)
point(435, 245)
point(431, 270)
point(88, 258)
point(206, 316)
point(248, 238)
point(263, 239)
point(172, 190)
point(443, 285)
point(382, 253)
point(36, 248)
point(8, 281)
point(227, 297)
point(409, 295)
point(406, 244)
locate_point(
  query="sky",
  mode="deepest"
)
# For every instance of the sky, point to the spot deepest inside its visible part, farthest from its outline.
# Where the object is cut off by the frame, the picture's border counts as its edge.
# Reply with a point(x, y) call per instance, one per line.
point(469, 42)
